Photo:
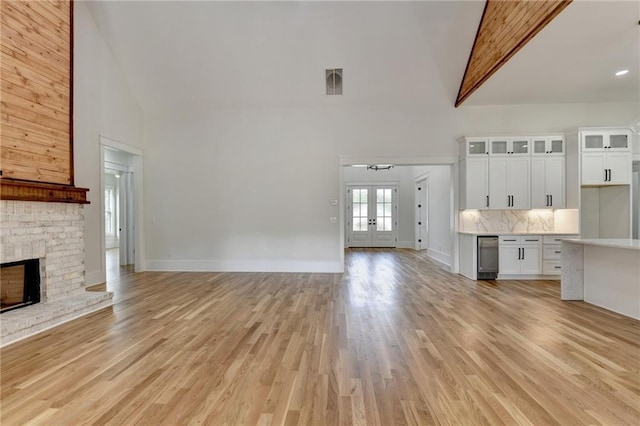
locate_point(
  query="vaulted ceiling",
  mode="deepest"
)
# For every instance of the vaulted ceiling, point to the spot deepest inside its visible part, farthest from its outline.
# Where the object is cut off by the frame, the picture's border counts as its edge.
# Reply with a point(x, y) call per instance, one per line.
point(192, 55)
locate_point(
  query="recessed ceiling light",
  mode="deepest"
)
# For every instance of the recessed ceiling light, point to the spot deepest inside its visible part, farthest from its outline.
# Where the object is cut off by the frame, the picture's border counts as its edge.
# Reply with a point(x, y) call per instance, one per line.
point(621, 72)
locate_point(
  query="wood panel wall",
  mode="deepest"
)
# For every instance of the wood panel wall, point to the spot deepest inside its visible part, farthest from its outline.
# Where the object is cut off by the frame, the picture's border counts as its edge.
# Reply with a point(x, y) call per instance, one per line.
point(36, 91)
point(506, 26)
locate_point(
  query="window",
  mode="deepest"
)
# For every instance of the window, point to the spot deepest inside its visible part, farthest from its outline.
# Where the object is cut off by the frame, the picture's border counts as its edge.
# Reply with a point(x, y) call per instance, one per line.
point(109, 211)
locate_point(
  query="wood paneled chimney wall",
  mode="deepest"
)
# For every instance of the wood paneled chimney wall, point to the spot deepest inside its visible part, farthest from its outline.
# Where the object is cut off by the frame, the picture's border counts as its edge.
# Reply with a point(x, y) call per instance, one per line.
point(506, 26)
point(36, 128)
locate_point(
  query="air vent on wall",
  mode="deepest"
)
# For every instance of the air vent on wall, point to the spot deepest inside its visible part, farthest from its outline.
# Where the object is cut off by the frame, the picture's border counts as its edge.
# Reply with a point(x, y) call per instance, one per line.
point(333, 78)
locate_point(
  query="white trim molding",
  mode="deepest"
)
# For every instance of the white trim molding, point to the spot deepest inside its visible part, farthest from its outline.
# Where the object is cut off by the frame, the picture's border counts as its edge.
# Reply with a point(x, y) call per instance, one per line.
point(218, 265)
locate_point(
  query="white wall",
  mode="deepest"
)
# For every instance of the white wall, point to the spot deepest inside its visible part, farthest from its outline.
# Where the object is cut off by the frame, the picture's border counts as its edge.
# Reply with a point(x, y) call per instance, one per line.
point(250, 189)
point(103, 105)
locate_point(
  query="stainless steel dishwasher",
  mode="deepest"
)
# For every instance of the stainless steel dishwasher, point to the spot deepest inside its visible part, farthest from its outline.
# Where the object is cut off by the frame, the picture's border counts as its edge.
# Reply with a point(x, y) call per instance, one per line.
point(487, 257)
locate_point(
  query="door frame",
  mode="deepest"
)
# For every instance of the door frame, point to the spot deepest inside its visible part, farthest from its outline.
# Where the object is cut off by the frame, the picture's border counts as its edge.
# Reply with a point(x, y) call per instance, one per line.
point(451, 161)
point(138, 169)
point(421, 215)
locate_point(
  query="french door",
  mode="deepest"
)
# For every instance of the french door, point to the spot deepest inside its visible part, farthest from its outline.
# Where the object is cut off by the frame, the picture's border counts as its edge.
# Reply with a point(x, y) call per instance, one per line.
point(372, 212)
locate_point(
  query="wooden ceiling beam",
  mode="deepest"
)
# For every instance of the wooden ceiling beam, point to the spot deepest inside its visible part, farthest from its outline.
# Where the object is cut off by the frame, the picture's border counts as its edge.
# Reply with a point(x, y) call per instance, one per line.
point(506, 26)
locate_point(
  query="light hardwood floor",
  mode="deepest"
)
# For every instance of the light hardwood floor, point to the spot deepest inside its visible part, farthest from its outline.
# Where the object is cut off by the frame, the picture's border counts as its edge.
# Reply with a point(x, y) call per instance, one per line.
point(395, 340)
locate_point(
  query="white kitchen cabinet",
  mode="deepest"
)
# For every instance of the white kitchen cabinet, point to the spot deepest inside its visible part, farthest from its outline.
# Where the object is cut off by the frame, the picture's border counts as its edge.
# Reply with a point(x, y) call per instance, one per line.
point(547, 145)
point(474, 147)
point(509, 183)
point(520, 255)
point(606, 157)
point(547, 182)
point(606, 168)
point(509, 146)
point(606, 140)
point(551, 253)
point(474, 183)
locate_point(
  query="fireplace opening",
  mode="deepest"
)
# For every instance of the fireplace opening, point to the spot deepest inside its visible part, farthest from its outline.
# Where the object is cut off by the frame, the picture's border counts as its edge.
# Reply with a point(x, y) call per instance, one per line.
point(19, 284)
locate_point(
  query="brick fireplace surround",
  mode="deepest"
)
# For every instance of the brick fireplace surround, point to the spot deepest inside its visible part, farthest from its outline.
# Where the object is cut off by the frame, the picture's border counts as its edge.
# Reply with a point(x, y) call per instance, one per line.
point(53, 233)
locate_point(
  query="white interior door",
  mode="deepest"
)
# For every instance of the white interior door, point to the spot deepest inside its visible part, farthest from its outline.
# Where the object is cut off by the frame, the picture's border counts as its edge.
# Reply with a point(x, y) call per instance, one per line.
point(372, 216)
point(126, 229)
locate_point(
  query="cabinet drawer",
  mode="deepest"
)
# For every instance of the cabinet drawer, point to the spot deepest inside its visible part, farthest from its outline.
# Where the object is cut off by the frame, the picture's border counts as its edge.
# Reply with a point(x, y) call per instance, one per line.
point(551, 267)
point(509, 239)
point(530, 239)
point(520, 239)
point(551, 252)
point(556, 239)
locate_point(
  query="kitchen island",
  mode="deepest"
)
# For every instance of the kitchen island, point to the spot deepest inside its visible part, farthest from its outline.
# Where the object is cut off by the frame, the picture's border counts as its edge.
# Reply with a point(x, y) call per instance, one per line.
point(603, 272)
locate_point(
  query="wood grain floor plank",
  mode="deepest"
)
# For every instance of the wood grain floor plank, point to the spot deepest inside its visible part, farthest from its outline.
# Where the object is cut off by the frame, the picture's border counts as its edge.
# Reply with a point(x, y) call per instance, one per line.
point(393, 340)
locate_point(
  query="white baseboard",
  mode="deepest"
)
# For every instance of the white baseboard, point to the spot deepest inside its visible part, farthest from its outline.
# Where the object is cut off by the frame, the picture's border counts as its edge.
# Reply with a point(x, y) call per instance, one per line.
point(443, 259)
point(244, 266)
point(528, 277)
point(405, 244)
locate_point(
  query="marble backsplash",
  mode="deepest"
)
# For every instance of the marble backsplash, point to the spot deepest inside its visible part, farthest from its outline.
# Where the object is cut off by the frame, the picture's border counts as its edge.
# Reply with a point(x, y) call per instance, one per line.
point(511, 221)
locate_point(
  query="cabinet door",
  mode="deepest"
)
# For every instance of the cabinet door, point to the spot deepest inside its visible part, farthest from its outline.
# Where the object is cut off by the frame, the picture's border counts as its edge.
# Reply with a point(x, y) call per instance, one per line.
point(531, 261)
point(618, 141)
point(518, 181)
point(499, 146)
point(539, 194)
point(593, 141)
point(508, 259)
point(593, 168)
point(519, 146)
point(619, 165)
point(554, 181)
point(498, 174)
point(477, 147)
point(477, 181)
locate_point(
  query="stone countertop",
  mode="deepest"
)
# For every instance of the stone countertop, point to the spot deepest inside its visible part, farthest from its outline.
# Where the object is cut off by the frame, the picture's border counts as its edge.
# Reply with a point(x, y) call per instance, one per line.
point(516, 233)
point(624, 243)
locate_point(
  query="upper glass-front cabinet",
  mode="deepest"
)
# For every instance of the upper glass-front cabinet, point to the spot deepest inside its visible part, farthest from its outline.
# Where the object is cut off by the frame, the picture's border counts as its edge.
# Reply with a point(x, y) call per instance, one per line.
point(606, 140)
point(477, 147)
point(507, 146)
point(547, 145)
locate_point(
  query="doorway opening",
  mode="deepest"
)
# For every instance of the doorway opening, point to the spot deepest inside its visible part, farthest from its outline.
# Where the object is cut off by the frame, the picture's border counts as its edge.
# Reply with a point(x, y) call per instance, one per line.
point(121, 184)
point(423, 208)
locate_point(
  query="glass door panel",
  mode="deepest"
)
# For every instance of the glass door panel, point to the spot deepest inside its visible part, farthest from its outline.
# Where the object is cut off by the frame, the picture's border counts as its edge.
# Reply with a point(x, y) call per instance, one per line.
point(498, 147)
point(557, 146)
point(477, 147)
point(520, 147)
point(539, 146)
point(619, 141)
point(594, 141)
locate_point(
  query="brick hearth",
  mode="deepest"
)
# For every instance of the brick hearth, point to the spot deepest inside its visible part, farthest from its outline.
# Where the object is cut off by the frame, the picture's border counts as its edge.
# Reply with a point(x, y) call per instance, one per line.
point(53, 233)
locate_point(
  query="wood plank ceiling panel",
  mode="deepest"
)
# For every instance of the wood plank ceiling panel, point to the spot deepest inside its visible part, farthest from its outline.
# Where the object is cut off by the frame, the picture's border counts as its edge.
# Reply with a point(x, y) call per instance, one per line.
point(505, 27)
point(35, 79)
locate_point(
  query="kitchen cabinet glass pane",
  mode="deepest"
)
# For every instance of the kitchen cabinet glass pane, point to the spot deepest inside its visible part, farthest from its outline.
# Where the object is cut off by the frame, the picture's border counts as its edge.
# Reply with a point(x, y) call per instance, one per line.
point(498, 147)
point(477, 147)
point(520, 147)
point(557, 145)
point(593, 141)
point(539, 146)
point(618, 141)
